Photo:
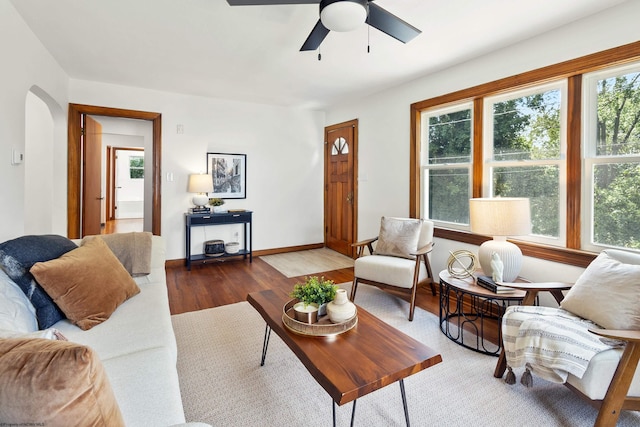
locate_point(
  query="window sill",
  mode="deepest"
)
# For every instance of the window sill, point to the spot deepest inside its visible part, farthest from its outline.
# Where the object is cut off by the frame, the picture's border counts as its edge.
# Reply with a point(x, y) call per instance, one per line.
point(574, 257)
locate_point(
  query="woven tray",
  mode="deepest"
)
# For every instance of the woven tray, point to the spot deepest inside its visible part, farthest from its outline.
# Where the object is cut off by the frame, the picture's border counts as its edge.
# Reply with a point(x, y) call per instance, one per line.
point(322, 328)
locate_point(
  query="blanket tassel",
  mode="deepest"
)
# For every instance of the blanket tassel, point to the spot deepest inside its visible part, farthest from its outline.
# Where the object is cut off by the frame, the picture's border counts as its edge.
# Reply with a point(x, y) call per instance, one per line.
point(511, 377)
point(527, 378)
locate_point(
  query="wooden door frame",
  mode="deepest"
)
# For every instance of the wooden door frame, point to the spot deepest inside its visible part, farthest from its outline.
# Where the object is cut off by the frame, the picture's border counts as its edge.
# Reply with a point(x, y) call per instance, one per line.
point(354, 178)
point(74, 162)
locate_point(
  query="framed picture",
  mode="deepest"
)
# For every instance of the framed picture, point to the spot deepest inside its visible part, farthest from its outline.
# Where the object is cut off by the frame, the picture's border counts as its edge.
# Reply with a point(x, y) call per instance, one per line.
point(229, 172)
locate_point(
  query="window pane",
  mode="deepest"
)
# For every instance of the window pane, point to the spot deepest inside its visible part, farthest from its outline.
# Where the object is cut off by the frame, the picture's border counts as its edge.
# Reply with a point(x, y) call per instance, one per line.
point(616, 205)
point(618, 127)
point(136, 167)
point(541, 185)
point(449, 138)
point(527, 128)
point(449, 195)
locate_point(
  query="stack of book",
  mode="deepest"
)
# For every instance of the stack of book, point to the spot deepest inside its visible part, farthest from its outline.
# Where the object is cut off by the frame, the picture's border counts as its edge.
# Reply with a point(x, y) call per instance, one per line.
point(488, 283)
point(198, 210)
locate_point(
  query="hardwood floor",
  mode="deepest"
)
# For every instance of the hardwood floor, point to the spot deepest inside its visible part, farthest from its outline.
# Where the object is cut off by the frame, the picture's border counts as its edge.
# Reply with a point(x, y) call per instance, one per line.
point(228, 282)
point(122, 226)
point(221, 283)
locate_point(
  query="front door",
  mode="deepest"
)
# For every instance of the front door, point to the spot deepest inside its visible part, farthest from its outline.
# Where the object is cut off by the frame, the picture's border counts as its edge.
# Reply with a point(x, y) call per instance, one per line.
point(340, 189)
point(92, 177)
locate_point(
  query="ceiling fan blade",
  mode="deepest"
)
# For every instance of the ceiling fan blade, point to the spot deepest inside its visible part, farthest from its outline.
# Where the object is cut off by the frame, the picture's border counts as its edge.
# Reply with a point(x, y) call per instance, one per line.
point(390, 24)
point(269, 2)
point(316, 37)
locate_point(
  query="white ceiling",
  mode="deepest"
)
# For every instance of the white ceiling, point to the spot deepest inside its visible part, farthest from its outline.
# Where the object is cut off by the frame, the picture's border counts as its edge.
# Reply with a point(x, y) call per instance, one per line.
point(251, 53)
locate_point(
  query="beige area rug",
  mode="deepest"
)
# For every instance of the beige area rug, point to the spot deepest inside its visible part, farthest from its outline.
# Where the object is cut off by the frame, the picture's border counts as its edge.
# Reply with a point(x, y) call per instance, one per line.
point(303, 263)
point(223, 384)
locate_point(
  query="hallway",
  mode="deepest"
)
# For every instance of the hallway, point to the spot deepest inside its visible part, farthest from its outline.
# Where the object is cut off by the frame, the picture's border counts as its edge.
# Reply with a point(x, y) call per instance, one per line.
point(122, 226)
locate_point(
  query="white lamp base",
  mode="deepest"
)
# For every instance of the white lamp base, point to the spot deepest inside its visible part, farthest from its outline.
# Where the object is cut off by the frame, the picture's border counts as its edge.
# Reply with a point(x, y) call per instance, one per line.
point(200, 199)
point(510, 254)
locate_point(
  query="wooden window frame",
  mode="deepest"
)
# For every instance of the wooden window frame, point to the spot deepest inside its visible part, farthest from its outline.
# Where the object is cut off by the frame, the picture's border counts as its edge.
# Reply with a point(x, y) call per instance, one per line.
point(572, 70)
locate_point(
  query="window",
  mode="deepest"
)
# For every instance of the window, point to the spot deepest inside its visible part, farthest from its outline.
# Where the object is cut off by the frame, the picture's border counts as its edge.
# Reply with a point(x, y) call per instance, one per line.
point(446, 165)
point(524, 152)
point(611, 206)
point(136, 167)
point(572, 147)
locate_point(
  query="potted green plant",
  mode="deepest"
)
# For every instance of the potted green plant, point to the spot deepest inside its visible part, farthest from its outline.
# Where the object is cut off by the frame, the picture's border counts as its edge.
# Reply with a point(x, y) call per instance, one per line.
point(314, 294)
point(217, 204)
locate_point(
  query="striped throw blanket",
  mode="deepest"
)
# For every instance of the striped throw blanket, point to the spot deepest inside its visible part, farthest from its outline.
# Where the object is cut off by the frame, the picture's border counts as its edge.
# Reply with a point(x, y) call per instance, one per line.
point(550, 342)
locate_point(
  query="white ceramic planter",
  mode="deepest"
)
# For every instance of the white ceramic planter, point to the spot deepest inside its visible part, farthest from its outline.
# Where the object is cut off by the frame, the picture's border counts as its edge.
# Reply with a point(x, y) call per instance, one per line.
point(341, 309)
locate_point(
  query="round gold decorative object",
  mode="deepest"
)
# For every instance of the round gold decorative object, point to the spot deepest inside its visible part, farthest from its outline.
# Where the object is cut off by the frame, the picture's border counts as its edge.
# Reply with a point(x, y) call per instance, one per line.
point(461, 264)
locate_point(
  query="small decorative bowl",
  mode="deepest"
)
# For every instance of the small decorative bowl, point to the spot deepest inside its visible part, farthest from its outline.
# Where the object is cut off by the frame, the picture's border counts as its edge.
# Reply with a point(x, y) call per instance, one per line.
point(232, 247)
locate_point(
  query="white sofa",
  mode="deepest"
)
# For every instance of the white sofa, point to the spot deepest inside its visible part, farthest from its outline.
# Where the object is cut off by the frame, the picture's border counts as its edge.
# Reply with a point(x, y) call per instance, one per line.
point(137, 348)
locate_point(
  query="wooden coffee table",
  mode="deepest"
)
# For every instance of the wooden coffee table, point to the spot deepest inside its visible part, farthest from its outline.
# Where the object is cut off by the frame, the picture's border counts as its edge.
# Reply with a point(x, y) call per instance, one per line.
point(350, 365)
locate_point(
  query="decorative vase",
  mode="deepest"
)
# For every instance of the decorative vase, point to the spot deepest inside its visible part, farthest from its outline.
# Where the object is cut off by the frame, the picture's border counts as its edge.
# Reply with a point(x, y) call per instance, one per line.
point(322, 310)
point(219, 209)
point(306, 313)
point(341, 309)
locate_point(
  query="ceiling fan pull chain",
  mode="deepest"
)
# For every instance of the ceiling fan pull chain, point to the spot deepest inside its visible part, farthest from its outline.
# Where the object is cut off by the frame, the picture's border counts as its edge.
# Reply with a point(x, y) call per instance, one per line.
point(368, 38)
point(319, 54)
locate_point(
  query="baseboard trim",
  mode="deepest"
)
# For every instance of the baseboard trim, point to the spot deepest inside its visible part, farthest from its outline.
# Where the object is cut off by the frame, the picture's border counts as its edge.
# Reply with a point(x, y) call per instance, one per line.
point(288, 249)
point(173, 263)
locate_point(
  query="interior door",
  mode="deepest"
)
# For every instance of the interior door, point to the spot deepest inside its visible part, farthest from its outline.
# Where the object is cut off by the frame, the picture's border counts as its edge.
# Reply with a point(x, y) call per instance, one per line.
point(129, 183)
point(91, 177)
point(340, 189)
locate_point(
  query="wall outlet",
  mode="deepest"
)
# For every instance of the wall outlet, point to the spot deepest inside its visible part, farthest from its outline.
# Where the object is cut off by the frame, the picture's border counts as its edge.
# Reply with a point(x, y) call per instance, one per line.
point(16, 157)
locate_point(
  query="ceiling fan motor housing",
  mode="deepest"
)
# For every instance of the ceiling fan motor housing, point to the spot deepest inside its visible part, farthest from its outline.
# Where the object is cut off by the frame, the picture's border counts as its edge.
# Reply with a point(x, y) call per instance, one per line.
point(343, 15)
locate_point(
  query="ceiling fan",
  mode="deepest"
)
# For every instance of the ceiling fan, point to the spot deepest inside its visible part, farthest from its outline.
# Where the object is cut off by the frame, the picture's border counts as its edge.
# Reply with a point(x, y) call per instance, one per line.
point(344, 15)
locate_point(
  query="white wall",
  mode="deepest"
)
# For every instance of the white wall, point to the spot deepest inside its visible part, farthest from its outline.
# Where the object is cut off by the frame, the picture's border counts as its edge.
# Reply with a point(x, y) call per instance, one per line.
point(38, 170)
point(384, 119)
point(284, 149)
point(26, 66)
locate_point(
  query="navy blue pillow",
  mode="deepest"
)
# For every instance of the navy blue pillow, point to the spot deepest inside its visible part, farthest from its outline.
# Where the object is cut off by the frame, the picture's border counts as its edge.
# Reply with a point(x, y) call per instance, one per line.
point(17, 256)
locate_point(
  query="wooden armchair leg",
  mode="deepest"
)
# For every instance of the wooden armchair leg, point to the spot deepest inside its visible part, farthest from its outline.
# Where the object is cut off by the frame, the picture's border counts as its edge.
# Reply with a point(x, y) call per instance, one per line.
point(354, 287)
point(412, 306)
point(501, 366)
point(619, 387)
point(433, 288)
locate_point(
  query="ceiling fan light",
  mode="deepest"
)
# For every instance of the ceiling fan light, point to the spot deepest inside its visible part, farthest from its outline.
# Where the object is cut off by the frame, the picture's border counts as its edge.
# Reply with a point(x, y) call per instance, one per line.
point(343, 15)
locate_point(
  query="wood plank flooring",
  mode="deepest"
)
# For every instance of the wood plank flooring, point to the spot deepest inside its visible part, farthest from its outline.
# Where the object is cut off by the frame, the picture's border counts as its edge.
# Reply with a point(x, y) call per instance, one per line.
point(228, 282)
point(220, 283)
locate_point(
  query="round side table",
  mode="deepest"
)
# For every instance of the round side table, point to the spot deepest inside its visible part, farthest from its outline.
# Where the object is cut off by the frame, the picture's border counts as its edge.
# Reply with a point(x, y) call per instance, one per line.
point(468, 310)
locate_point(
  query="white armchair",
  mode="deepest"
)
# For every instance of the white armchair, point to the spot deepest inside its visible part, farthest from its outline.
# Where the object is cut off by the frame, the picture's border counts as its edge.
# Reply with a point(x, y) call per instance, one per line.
point(563, 345)
point(400, 259)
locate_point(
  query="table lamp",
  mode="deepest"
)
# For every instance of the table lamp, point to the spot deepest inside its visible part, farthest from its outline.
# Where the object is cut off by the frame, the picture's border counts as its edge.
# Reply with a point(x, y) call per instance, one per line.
point(200, 183)
point(500, 217)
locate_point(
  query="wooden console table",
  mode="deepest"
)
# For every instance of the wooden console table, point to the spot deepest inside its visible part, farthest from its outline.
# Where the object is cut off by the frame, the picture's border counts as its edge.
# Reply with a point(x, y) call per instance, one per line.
point(200, 220)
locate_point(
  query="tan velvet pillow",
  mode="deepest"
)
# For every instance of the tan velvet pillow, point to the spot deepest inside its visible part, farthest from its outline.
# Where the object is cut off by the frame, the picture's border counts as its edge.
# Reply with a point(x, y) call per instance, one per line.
point(87, 283)
point(54, 383)
point(607, 293)
point(398, 237)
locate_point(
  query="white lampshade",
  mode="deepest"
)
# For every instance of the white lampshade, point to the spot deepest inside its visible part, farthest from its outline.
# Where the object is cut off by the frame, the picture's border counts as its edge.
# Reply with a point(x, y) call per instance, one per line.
point(343, 15)
point(500, 217)
point(200, 183)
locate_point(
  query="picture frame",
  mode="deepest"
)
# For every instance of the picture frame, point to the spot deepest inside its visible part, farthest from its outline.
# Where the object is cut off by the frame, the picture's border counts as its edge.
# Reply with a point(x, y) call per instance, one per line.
point(229, 174)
